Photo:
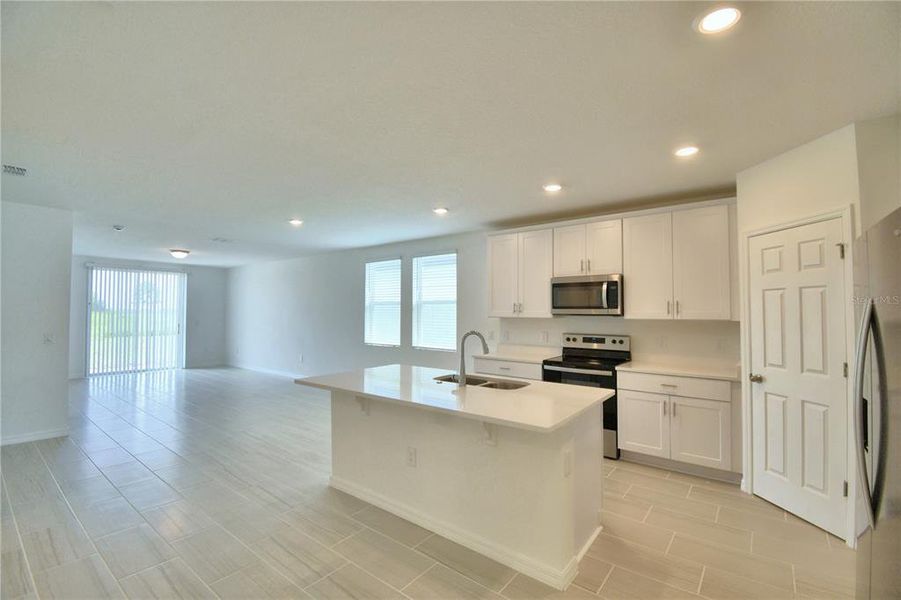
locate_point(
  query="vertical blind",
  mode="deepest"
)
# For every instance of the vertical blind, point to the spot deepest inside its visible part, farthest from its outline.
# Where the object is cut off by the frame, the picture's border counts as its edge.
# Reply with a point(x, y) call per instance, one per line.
point(135, 320)
point(435, 301)
point(382, 311)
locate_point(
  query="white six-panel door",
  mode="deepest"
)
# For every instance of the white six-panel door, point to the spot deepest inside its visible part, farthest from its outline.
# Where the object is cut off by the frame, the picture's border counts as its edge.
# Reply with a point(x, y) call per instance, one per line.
point(798, 347)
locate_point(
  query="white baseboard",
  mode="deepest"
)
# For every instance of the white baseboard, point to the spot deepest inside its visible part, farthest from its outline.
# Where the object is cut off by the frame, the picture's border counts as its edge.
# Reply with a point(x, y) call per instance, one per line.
point(266, 371)
point(680, 467)
point(35, 436)
point(556, 578)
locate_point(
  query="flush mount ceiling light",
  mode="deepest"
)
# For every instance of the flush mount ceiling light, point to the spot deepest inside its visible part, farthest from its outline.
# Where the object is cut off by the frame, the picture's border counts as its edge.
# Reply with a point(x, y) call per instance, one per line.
point(718, 20)
point(118, 227)
point(552, 188)
point(686, 151)
point(178, 252)
point(440, 211)
point(296, 222)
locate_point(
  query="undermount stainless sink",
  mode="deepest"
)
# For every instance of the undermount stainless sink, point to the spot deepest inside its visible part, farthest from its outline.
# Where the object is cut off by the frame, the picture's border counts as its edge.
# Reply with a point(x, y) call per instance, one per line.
point(504, 385)
point(485, 382)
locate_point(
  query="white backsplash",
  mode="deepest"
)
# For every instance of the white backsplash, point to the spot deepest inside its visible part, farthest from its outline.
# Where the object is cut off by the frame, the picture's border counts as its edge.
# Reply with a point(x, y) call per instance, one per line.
point(667, 341)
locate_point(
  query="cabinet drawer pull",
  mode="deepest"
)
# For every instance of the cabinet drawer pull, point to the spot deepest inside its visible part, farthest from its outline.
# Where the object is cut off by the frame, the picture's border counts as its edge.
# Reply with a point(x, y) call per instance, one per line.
point(669, 385)
point(504, 368)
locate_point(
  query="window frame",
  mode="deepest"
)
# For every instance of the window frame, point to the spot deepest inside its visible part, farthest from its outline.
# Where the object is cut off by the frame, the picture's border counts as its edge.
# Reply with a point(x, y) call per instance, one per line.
point(413, 258)
point(400, 305)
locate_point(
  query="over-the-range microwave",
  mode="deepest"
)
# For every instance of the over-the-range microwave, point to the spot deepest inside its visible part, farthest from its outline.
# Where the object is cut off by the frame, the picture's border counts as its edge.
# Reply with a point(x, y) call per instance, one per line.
point(587, 295)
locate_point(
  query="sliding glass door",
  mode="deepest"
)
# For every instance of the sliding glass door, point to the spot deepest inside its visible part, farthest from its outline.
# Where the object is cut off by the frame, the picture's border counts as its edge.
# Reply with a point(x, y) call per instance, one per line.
point(135, 320)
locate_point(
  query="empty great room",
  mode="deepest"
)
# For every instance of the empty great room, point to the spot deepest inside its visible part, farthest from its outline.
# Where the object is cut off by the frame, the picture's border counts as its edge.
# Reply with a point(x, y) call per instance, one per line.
point(450, 300)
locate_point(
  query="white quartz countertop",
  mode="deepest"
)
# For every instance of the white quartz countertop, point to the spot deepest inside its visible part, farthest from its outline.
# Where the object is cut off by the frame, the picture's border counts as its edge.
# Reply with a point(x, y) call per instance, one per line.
point(524, 354)
point(539, 406)
point(686, 369)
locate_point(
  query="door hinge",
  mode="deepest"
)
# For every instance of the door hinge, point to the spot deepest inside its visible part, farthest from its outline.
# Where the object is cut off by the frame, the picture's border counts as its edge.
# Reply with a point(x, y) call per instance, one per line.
point(845, 370)
point(845, 489)
point(841, 250)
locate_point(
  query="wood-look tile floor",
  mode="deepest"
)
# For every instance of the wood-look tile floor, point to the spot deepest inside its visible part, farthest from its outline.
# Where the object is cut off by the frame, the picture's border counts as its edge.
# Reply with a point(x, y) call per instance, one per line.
point(213, 483)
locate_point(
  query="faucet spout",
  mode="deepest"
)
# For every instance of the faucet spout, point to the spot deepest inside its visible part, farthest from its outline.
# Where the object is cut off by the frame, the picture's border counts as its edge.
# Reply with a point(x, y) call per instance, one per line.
point(461, 376)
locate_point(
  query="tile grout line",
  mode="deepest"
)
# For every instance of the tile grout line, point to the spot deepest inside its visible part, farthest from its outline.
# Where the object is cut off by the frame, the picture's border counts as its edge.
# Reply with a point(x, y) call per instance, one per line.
point(77, 520)
point(15, 520)
point(701, 580)
point(139, 513)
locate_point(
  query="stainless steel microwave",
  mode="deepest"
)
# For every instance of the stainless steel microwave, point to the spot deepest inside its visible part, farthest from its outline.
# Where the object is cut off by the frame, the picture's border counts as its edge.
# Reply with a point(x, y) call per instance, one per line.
point(587, 295)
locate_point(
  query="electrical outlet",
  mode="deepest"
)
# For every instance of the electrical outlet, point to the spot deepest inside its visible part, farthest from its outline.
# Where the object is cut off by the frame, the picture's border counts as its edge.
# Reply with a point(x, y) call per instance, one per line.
point(411, 456)
point(300, 359)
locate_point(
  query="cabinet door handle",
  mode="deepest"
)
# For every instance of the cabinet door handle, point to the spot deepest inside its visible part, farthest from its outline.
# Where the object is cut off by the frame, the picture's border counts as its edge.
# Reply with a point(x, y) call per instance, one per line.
point(664, 409)
point(581, 265)
point(668, 305)
point(677, 307)
point(588, 262)
point(674, 409)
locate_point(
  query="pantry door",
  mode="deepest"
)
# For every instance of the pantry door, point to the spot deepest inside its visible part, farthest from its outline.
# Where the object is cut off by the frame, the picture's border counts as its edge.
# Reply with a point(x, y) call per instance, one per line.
point(798, 380)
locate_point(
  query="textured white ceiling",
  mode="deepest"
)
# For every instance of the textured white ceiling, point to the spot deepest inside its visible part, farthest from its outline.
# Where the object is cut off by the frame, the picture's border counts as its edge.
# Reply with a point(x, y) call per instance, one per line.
point(191, 121)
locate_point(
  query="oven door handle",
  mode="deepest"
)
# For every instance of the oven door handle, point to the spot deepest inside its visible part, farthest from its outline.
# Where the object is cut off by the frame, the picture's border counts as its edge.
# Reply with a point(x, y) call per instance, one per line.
point(580, 371)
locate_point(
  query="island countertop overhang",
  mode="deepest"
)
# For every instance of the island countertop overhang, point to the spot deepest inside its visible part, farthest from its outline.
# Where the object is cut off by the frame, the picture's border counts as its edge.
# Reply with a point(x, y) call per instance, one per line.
point(540, 406)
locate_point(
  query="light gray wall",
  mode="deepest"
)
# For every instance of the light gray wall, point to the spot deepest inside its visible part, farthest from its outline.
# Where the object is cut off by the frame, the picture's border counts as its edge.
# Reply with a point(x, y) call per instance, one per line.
point(313, 306)
point(205, 312)
point(36, 259)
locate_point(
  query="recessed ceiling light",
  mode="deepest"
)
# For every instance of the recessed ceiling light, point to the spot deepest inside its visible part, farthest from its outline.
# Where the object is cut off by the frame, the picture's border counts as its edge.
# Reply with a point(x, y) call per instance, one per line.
point(440, 211)
point(719, 20)
point(686, 151)
point(118, 227)
point(296, 222)
point(179, 253)
point(552, 187)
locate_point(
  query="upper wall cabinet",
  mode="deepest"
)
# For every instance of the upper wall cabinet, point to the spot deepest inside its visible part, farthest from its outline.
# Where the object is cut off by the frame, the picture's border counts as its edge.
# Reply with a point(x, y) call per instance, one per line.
point(588, 249)
point(520, 267)
point(677, 265)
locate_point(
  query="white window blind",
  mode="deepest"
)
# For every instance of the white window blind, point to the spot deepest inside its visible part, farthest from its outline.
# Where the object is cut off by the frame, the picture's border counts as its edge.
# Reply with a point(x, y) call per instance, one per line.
point(435, 302)
point(135, 320)
point(382, 316)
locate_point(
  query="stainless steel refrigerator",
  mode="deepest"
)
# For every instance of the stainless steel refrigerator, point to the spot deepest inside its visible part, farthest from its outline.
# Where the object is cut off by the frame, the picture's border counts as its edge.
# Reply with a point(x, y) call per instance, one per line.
point(877, 380)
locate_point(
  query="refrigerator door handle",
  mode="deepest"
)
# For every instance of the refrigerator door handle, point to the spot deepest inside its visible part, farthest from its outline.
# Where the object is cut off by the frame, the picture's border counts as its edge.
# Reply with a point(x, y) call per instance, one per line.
point(860, 360)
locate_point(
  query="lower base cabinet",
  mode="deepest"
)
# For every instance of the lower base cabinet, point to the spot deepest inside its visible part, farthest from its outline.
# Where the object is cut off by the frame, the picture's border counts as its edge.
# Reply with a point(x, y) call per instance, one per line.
point(690, 430)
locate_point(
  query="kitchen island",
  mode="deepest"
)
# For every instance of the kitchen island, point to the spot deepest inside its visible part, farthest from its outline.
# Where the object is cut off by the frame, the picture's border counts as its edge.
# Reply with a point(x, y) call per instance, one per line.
point(514, 474)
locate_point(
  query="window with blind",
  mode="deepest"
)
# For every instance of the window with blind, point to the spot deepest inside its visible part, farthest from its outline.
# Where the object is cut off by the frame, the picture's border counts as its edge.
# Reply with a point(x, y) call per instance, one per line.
point(435, 302)
point(382, 310)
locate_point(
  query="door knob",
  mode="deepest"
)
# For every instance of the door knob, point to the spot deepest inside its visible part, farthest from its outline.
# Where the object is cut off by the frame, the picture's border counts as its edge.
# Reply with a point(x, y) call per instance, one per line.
point(755, 378)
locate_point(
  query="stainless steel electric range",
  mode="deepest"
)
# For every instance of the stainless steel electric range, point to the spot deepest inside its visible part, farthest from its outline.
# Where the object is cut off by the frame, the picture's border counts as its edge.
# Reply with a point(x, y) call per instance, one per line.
point(591, 359)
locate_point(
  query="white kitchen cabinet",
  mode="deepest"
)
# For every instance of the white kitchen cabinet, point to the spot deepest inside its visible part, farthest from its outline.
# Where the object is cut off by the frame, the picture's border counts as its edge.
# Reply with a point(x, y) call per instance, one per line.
point(643, 422)
point(520, 266)
point(648, 266)
point(594, 248)
point(654, 420)
point(700, 432)
point(604, 247)
point(536, 263)
point(701, 273)
point(503, 278)
point(676, 265)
